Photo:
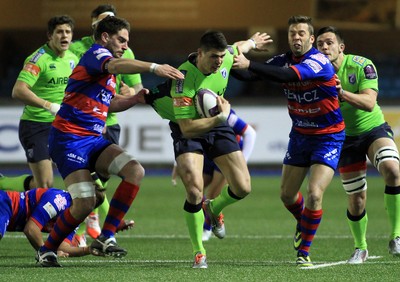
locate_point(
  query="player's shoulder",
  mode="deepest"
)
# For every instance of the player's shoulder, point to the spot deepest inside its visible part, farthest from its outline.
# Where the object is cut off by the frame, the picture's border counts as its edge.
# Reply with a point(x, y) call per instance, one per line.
point(39, 55)
point(84, 41)
point(128, 54)
point(317, 56)
point(70, 55)
point(358, 60)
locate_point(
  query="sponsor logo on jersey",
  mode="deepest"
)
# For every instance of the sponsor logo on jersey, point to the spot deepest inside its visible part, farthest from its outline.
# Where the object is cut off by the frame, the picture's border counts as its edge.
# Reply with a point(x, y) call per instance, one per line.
point(72, 64)
point(370, 72)
point(224, 72)
point(58, 80)
point(52, 66)
point(352, 78)
point(320, 58)
point(182, 102)
point(179, 83)
point(61, 202)
point(51, 211)
point(230, 49)
point(102, 52)
point(359, 60)
point(98, 128)
point(31, 68)
point(313, 65)
point(36, 57)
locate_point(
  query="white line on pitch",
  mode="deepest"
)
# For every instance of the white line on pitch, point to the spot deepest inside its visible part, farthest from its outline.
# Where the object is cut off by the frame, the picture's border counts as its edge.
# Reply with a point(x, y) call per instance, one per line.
point(335, 263)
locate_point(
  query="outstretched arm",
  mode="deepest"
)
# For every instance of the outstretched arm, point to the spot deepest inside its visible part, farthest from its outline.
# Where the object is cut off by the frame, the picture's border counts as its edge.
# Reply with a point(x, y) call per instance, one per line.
point(258, 42)
point(121, 65)
point(274, 73)
point(121, 102)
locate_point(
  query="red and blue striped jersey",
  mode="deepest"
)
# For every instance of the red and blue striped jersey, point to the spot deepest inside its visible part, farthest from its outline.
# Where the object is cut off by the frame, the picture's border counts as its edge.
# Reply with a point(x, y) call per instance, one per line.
point(42, 205)
point(313, 103)
point(88, 95)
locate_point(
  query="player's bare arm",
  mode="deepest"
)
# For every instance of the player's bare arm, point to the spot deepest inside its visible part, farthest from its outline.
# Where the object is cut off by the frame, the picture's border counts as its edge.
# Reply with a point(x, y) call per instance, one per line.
point(121, 65)
point(257, 42)
point(121, 103)
point(195, 127)
point(365, 100)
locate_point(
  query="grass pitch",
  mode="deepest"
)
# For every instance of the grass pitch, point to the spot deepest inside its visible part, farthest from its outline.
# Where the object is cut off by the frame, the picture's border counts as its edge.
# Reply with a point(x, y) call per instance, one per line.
point(258, 245)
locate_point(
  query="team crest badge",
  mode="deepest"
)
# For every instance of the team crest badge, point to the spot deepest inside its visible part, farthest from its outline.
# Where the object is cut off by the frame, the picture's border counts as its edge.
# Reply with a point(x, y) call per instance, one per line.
point(352, 78)
point(224, 73)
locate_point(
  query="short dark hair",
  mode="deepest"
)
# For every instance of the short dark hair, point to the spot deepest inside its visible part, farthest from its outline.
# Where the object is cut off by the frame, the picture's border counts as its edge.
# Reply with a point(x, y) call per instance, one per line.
point(59, 20)
point(102, 9)
point(332, 29)
point(111, 25)
point(302, 19)
point(213, 39)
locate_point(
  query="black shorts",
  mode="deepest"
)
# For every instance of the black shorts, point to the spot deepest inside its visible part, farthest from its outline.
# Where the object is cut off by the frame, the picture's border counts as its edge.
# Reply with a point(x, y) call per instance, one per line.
point(355, 148)
point(219, 141)
point(112, 133)
point(34, 138)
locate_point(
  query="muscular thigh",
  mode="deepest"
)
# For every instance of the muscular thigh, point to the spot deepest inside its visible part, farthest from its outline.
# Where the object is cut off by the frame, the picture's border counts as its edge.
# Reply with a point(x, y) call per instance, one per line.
point(190, 170)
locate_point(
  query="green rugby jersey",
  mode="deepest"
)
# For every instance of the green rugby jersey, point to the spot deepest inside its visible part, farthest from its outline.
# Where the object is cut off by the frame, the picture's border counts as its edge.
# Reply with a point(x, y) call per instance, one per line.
point(183, 91)
point(47, 75)
point(79, 47)
point(358, 73)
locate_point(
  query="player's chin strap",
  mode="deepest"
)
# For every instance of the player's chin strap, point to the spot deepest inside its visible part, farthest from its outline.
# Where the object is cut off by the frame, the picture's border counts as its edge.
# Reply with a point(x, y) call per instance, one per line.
point(387, 153)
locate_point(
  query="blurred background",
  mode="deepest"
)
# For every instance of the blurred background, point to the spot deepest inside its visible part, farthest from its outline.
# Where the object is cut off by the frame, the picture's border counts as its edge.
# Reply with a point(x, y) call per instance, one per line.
point(166, 31)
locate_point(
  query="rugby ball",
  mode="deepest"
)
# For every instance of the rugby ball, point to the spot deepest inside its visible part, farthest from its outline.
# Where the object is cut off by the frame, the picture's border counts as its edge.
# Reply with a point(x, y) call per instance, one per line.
point(206, 103)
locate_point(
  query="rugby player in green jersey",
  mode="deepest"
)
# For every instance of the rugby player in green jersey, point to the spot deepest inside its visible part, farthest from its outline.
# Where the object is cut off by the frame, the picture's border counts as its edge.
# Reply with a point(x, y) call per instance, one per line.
point(367, 135)
point(40, 86)
point(193, 136)
point(127, 84)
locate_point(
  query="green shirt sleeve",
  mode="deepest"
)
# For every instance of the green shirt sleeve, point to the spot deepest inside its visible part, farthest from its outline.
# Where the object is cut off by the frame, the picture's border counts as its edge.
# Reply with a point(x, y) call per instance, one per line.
point(47, 75)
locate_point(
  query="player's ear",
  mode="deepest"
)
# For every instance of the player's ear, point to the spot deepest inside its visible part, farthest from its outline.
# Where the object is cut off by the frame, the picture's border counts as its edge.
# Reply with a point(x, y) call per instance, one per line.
point(342, 47)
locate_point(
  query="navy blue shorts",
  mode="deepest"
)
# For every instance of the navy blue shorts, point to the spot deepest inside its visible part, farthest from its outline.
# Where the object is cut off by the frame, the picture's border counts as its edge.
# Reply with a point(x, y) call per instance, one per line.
point(218, 141)
point(209, 167)
point(112, 133)
point(306, 150)
point(355, 148)
point(71, 152)
point(34, 138)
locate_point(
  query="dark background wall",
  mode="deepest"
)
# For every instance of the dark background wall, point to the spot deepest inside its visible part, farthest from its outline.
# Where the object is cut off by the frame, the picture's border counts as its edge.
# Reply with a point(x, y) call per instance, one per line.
point(167, 30)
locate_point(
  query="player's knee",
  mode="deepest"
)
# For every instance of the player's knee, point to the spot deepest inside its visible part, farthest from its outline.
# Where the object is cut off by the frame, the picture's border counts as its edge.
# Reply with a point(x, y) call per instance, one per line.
point(355, 185)
point(385, 154)
point(82, 190)
point(119, 163)
point(390, 173)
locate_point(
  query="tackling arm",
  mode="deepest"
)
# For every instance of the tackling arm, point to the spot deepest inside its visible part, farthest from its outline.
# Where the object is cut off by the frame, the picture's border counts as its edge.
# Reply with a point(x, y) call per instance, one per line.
point(195, 127)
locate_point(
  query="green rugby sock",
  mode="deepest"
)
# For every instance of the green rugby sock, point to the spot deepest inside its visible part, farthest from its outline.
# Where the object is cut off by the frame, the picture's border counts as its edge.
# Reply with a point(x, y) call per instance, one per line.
point(194, 222)
point(13, 183)
point(223, 200)
point(392, 206)
point(358, 228)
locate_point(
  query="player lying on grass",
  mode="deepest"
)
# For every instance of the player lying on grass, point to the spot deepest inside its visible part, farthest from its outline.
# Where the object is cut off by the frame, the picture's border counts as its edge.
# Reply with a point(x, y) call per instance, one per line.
point(35, 211)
